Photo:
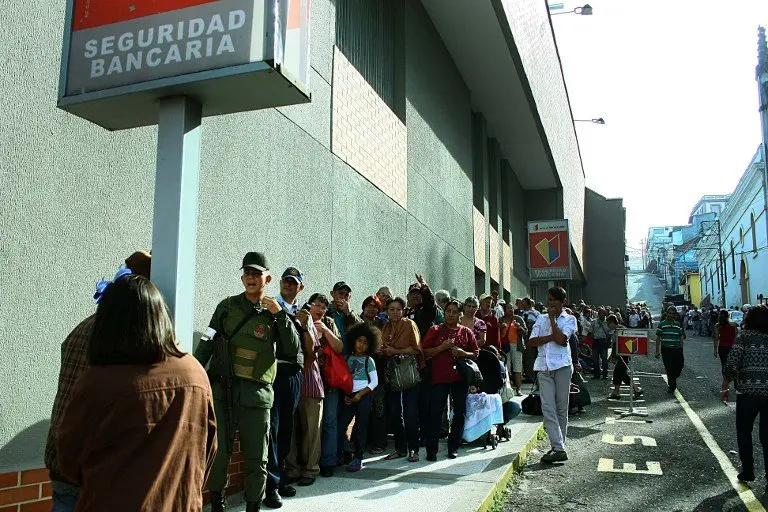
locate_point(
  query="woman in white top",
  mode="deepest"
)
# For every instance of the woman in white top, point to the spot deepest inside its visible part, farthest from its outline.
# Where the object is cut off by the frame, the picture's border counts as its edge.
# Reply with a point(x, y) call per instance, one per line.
point(554, 366)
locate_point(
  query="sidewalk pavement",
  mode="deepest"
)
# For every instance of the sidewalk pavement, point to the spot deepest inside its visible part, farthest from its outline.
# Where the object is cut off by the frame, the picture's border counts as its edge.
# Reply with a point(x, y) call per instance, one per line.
point(469, 483)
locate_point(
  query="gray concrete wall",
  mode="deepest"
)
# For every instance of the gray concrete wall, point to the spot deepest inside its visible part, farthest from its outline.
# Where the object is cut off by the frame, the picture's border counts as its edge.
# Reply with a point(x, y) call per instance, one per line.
point(438, 116)
point(77, 200)
point(604, 249)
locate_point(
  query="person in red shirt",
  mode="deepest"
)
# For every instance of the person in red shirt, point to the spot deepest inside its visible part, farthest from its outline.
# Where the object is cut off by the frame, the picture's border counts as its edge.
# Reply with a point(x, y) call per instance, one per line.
point(725, 335)
point(443, 344)
point(488, 315)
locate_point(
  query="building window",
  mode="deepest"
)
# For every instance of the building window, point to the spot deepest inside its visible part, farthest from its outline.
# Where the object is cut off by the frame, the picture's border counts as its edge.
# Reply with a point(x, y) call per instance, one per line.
point(754, 231)
point(724, 270)
point(716, 208)
point(741, 237)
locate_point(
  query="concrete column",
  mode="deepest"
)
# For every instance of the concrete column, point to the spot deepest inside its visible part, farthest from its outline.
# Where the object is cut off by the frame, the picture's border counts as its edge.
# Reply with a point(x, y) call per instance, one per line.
point(480, 185)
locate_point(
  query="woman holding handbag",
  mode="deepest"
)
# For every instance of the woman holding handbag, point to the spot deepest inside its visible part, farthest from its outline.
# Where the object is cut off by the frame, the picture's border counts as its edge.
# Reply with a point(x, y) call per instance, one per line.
point(401, 349)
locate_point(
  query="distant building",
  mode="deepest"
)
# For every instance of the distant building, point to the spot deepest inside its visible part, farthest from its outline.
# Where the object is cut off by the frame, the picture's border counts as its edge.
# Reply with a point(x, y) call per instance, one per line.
point(709, 204)
point(739, 262)
point(604, 249)
point(690, 287)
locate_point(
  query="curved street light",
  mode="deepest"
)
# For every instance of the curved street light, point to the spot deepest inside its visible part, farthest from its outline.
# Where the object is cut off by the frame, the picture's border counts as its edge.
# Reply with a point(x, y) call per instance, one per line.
point(599, 120)
point(586, 10)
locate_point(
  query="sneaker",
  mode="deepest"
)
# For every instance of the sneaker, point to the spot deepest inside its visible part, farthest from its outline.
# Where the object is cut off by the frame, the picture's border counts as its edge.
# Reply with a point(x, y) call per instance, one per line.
point(554, 456)
point(518, 392)
point(614, 396)
point(355, 465)
point(273, 500)
point(452, 454)
point(639, 393)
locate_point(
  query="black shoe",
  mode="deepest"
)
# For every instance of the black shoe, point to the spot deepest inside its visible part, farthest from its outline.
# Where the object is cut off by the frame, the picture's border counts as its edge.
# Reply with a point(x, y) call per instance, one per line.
point(432, 457)
point(347, 458)
point(326, 472)
point(670, 390)
point(273, 500)
point(452, 454)
point(746, 477)
point(287, 491)
point(255, 506)
point(305, 481)
point(218, 501)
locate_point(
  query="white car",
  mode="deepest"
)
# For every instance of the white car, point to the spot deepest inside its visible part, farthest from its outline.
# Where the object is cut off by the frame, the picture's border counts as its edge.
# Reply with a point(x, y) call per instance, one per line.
point(736, 317)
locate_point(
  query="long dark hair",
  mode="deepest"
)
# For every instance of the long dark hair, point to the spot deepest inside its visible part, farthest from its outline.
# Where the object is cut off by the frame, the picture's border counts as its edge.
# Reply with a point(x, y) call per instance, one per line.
point(723, 318)
point(132, 325)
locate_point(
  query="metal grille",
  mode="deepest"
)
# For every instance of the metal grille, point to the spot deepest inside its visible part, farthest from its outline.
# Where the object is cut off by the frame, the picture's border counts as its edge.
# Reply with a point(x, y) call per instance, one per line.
point(365, 33)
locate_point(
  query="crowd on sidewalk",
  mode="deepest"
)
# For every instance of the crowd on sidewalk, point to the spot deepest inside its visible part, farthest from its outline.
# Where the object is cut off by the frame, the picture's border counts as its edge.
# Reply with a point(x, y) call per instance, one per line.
point(308, 387)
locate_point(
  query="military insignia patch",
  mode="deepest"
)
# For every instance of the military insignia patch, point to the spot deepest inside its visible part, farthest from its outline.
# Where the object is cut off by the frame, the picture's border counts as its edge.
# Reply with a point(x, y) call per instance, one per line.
point(259, 332)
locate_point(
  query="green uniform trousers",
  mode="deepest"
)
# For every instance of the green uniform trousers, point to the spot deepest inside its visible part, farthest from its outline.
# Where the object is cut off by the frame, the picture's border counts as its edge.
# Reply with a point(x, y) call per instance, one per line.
point(253, 423)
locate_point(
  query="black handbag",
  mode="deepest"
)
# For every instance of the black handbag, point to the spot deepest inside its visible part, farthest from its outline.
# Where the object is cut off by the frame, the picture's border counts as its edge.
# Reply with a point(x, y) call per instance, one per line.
point(532, 403)
point(402, 372)
point(468, 371)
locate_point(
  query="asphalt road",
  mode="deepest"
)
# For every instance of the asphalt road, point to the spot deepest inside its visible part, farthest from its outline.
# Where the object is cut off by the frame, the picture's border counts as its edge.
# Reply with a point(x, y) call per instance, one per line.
point(680, 473)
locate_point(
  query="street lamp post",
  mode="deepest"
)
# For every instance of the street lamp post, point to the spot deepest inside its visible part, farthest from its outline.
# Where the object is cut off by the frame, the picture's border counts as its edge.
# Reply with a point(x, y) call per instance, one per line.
point(599, 120)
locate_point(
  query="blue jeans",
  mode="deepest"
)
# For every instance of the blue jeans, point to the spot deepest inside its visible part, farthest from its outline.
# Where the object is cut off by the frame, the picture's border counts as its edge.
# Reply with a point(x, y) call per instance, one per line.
point(287, 389)
point(64, 496)
point(329, 457)
point(404, 414)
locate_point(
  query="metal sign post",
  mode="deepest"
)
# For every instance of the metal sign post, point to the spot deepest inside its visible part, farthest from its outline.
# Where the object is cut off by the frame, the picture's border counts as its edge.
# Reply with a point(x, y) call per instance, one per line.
point(631, 342)
point(174, 233)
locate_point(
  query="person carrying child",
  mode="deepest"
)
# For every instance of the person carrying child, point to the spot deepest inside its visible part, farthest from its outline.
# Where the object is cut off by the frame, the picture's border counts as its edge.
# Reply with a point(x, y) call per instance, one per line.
point(364, 340)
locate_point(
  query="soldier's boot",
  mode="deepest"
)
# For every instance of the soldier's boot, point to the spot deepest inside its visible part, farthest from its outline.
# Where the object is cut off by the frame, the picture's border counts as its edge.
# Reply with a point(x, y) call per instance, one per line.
point(218, 501)
point(253, 506)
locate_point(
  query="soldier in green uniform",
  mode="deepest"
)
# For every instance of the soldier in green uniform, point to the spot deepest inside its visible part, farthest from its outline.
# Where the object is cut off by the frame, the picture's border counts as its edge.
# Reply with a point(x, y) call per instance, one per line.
point(252, 326)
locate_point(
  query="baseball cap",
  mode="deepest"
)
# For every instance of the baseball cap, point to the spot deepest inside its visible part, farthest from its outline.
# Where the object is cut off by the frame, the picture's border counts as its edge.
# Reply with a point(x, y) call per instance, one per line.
point(340, 286)
point(415, 287)
point(255, 260)
point(484, 296)
point(293, 273)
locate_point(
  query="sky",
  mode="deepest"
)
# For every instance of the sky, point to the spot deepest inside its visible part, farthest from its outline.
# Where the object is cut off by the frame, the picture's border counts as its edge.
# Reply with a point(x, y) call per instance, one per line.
point(675, 83)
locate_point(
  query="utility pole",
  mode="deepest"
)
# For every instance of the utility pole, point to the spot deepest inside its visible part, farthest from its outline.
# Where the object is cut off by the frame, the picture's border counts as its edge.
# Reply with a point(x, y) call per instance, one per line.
point(721, 267)
point(761, 75)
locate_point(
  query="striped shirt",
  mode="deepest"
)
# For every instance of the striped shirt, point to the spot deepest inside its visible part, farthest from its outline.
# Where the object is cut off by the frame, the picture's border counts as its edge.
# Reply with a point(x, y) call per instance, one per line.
point(312, 383)
point(671, 334)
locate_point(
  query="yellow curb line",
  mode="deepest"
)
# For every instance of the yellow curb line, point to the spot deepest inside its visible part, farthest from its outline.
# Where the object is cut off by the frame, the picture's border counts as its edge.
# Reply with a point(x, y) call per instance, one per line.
point(490, 500)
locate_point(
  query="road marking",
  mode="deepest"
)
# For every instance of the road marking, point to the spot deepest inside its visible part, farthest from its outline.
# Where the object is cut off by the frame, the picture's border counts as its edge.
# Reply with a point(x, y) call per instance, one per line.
point(611, 421)
point(644, 440)
point(745, 493)
point(606, 466)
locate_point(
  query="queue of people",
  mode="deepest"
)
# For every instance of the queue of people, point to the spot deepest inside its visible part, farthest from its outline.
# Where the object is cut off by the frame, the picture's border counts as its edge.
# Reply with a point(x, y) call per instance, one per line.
point(285, 378)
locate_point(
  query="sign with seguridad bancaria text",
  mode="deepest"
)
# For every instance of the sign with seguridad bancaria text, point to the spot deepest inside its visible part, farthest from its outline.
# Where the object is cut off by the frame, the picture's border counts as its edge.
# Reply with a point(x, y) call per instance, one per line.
point(632, 342)
point(120, 42)
point(549, 250)
point(121, 56)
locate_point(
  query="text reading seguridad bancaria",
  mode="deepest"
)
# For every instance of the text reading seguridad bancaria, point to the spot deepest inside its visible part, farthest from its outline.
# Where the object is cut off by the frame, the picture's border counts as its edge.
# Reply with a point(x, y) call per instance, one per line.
point(150, 47)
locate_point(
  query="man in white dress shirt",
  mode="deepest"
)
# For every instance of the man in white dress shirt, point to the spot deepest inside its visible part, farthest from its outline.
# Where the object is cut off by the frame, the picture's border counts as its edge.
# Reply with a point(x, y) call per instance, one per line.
point(554, 366)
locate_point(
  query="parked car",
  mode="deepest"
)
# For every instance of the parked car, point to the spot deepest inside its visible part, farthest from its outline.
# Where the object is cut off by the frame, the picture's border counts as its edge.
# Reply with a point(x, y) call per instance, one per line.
point(736, 317)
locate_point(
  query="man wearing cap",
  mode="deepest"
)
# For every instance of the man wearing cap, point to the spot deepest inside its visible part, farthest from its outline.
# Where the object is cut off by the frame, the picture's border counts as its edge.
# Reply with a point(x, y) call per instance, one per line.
point(341, 314)
point(74, 361)
point(256, 328)
point(287, 390)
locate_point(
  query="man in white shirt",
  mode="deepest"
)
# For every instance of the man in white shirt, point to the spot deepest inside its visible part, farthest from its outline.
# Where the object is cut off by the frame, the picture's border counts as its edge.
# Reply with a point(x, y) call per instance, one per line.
point(634, 319)
point(554, 366)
